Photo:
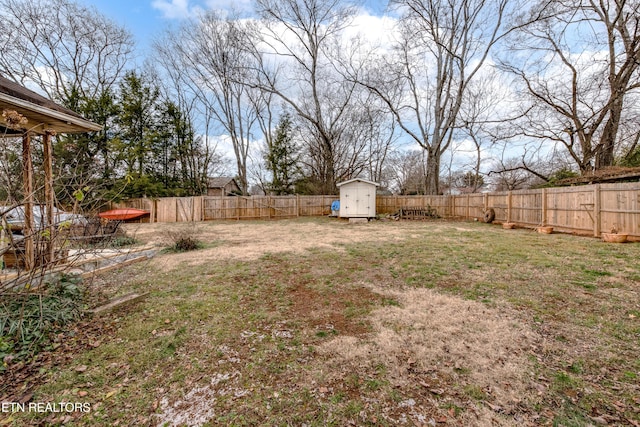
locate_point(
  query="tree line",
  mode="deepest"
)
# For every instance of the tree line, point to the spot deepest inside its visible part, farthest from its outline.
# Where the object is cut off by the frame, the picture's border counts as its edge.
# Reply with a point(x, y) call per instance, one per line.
point(453, 96)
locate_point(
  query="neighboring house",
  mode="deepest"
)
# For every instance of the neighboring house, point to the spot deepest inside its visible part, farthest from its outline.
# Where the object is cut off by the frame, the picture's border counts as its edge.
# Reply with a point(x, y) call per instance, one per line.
point(223, 186)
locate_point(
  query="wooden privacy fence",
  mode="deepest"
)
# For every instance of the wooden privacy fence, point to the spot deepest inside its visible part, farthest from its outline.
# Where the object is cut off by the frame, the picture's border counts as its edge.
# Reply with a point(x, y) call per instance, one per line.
point(589, 209)
point(208, 208)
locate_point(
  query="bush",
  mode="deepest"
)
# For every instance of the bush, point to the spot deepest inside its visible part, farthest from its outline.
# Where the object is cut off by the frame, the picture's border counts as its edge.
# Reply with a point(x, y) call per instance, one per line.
point(28, 318)
point(122, 241)
point(183, 240)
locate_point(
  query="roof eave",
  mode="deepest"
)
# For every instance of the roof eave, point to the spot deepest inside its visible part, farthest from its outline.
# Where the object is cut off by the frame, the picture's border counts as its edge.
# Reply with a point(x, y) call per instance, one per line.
point(358, 179)
point(73, 124)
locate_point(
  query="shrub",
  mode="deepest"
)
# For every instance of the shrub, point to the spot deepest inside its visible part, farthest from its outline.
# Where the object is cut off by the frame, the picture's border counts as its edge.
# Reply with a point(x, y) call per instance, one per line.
point(183, 240)
point(122, 241)
point(27, 318)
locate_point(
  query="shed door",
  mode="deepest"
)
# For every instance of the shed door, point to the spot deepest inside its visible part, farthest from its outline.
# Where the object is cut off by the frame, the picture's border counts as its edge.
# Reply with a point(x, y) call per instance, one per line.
point(359, 201)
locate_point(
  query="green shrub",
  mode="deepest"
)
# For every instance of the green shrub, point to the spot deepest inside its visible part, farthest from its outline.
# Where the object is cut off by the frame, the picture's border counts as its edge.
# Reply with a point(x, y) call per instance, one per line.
point(27, 318)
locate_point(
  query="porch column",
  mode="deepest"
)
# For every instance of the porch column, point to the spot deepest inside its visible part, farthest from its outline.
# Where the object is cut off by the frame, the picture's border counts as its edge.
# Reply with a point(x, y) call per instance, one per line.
point(27, 177)
point(49, 195)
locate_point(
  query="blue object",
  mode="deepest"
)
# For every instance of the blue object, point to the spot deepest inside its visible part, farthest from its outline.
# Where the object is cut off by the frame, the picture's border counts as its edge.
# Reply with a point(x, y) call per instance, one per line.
point(335, 205)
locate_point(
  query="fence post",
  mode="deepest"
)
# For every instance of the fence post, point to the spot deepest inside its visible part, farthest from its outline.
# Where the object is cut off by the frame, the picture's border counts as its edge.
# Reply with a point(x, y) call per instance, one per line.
point(597, 215)
point(297, 205)
point(468, 207)
point(509, 206)
point(269, 206)
point(453, 205)
point(544, 207)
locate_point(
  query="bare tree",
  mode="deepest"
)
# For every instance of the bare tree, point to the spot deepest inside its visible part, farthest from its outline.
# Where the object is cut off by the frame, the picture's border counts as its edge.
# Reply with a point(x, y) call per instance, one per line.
point(302, 42)
point(510, 175)
point(628, 149)
point(211, 54)
point(198, 156)
point(407, 170)
point(383, 138)
point(479, 116)
point(441, 46)
point(578, 67)
point(61, 47)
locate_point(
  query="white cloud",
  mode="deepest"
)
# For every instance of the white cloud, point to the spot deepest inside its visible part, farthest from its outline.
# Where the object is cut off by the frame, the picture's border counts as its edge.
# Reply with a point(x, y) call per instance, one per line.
point(231, 5)
point(378, 31)
point(176, 9)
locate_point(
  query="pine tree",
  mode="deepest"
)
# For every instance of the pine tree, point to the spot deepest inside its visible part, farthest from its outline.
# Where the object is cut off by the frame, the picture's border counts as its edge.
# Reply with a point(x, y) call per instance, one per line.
point(282, 158)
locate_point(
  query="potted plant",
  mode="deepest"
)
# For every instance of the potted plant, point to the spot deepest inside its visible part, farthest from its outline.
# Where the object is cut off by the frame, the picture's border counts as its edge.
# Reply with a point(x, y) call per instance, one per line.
point(614, 236)
point(545, 229)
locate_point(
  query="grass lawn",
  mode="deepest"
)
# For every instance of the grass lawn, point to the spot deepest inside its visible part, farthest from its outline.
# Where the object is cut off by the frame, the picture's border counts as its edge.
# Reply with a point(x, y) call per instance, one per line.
point(318, 322)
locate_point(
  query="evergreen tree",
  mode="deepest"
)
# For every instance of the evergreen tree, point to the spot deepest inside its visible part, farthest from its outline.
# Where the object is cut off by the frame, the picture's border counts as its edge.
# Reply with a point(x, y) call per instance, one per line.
point(86, 158)
point(138, 122)
point(282, 158)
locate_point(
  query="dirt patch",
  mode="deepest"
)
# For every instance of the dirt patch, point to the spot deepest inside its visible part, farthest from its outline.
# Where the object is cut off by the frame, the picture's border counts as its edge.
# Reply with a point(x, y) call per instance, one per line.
point(449, 348)
point(330, 313)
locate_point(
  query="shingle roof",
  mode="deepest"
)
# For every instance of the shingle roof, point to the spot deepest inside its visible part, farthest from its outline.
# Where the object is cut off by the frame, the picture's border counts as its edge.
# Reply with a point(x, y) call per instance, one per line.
point(41, 112)
point(219, 181)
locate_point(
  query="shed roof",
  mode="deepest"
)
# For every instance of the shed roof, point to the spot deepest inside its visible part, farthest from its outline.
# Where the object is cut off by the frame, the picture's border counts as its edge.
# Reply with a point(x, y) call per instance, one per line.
point(358, 180)
point(42, 113)
point(220, 181)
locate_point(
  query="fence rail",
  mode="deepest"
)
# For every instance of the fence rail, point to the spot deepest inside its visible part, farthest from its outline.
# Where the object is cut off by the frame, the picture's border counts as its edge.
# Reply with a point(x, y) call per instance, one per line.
point(589, 209)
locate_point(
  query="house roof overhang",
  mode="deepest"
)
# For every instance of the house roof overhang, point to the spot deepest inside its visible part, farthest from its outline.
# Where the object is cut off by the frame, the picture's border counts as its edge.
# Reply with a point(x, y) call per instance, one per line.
point(43, 115)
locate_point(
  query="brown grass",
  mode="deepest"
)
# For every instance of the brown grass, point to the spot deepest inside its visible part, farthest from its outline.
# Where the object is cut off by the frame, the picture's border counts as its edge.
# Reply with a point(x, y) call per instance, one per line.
point(319, 322)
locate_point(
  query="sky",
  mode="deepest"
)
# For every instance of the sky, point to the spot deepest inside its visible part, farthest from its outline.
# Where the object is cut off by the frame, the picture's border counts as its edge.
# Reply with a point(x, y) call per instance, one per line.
point(147, 19)
point(139, 17)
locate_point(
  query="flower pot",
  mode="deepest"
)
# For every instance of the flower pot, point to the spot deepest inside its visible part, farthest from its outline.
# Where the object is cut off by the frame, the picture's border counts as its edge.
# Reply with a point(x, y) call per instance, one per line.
point(545, 229)
point(508, 225)
point(614, 237)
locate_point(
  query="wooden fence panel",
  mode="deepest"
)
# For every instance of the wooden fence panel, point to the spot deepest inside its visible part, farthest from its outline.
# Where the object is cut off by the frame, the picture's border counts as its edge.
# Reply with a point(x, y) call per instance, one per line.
point(476, 206)
point(526, 207)
point(166, 210)
point(265, 207)
point(499, 202)
point(220, 208)
point(620, 208)
point(466, 206)
point(386, 204)
point(284, 206)
point(585, 209)
point(570, 208)
point(316, 205)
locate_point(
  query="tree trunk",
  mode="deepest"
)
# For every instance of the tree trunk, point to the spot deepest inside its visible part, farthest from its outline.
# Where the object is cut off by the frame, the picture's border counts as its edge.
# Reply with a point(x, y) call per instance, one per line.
point(432, 178)
point(605, 153)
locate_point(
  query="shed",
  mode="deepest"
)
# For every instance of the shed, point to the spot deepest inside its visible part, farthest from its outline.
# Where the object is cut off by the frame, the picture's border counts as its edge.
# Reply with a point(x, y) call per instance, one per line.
point(358, 198)
point(222, 186)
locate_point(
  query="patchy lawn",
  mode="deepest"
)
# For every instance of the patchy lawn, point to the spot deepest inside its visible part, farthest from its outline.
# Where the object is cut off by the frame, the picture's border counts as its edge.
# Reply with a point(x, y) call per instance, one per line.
point(319, 322)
